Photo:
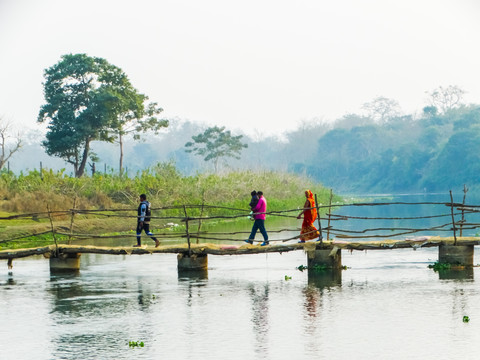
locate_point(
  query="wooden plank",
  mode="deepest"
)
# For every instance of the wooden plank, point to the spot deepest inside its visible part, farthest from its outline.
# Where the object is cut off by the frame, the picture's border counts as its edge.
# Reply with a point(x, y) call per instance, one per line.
point(228, 249)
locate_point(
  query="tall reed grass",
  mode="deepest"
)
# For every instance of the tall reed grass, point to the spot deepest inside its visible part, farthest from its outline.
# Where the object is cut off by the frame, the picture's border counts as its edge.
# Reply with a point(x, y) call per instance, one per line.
point(163, 184)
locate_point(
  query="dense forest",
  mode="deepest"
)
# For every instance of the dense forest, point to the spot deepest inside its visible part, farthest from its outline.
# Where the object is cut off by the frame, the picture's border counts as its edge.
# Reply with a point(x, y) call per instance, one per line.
point(378, 151)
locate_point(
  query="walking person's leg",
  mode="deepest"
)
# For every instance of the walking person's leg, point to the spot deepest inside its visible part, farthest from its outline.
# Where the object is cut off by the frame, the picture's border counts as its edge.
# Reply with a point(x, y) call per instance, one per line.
point(253, 233)
point(146, 227)
point(139, 233)
point(261, 227)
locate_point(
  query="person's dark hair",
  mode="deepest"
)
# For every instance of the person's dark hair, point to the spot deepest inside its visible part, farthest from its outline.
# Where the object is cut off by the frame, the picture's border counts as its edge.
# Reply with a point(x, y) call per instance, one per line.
point(143, 196)
point(253, 193)
point(259, 193)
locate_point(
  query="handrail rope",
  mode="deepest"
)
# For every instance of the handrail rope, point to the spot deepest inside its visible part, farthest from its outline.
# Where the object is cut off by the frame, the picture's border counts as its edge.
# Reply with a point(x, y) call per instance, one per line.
point(390, 229)
point(178, 207)
point(346, 217)
point(274, 213)
point(162, 235)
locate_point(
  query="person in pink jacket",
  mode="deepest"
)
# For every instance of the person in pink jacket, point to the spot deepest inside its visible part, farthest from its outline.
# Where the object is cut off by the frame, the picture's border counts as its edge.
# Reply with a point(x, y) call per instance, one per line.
point(259, 215)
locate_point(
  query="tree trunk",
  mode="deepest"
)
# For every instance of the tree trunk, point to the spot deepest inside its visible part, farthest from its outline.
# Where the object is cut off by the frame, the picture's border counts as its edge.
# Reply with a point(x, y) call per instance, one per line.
point(81, 169)
point(120, 141)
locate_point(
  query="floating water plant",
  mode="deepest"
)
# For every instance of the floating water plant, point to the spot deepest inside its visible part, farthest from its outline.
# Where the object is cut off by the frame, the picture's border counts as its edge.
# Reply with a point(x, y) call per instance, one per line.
point(316, 267)
point(288, 277)
point(437, 266)
point(466, 319)
point(134, 344)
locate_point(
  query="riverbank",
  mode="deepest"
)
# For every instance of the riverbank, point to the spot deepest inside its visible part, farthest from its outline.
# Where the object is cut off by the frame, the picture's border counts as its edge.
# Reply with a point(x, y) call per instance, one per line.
point(39, 194)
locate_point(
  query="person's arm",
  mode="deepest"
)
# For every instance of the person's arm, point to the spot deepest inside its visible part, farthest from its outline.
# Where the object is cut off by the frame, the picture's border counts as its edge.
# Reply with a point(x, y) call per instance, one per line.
point(143, 212)
point(305, 206)
point(259, 205)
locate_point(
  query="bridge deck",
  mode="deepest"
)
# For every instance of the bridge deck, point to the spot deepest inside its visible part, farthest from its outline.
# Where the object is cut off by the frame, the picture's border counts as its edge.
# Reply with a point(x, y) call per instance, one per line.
point(224, 249)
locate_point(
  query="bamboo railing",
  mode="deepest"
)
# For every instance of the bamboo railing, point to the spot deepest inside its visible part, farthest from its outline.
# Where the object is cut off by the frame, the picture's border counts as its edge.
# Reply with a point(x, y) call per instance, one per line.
point(335, 216)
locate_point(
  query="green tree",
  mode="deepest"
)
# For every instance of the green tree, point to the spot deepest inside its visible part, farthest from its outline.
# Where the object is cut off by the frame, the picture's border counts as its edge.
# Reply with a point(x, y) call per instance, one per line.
point(214, 144)
point(89, 99)
point(135, 123)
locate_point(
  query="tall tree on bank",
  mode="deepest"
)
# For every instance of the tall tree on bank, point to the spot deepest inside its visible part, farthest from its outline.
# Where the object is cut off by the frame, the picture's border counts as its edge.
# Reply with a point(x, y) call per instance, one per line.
point(137, 123)
point(382, 109)
point(7, 149)
point(87, 99)
point(216, 143)
point(446, 99)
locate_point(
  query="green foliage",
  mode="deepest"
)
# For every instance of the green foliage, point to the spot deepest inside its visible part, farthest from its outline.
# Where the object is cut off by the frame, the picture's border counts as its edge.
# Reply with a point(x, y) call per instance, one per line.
point(216, 143)
point(433, 153)
point(134, 344)
point(162, 183)
point(317, 268)
point(89, 99)
point(32, 241)
point(437, 266)
point(466, 319)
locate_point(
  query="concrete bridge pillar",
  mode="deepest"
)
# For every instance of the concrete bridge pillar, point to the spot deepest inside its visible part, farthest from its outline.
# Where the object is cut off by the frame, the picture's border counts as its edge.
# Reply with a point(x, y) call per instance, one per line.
point(65, 262)
point(330, 259)
point(194, 262)
point(456, 254)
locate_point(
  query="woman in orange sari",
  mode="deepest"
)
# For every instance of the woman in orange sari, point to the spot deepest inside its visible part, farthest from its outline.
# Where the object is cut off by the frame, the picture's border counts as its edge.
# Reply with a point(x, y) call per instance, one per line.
point(309, 231)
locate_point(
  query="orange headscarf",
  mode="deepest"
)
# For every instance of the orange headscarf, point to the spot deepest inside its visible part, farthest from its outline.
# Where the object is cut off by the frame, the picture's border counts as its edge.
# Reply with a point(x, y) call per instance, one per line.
point(310, 215)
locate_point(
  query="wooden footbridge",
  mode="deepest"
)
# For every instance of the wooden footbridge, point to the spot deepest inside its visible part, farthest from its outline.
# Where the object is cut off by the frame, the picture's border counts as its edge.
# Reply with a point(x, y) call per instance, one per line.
point(192, 254)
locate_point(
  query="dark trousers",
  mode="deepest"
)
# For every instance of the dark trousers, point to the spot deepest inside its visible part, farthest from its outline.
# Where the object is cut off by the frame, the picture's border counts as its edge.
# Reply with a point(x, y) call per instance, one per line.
point(146, 228)
point(259, 224)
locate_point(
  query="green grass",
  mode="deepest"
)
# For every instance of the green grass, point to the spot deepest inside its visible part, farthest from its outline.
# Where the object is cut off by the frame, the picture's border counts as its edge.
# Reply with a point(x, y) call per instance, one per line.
point(165, 187)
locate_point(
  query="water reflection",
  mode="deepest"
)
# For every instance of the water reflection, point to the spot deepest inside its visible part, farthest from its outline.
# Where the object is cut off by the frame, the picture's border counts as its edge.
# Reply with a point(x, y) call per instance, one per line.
point(92, 314)
point(313, 292)
point(194, 279)
point(260, 319)
point(145, 297)
point(63, 288)
point(9, 281)
point(192, 275)
point(456, 274)
point(325, 279)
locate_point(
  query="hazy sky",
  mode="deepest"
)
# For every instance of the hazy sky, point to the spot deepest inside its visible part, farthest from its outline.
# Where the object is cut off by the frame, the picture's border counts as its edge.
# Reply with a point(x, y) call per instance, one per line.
point(259, 65)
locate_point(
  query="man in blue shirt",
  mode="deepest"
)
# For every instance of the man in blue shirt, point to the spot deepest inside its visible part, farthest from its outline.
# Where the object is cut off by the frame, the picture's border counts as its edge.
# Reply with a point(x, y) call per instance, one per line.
point(143, 222)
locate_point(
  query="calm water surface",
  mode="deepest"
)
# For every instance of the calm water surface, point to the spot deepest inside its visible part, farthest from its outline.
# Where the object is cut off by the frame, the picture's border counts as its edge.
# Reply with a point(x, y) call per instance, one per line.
point(387, 305)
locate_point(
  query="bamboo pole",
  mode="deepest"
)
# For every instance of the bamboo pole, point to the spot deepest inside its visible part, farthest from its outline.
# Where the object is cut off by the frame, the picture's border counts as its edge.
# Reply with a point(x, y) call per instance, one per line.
point(71, 220)
point(329, 214)
point(201, 215)
point(453, 219)
point(186, 229)
point(465, 190)
point(53, 230)
point(320, 236)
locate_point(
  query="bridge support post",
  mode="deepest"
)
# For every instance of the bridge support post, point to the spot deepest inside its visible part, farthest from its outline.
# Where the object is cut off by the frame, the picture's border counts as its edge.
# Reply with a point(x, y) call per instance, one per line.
point(194, 262)
point(330, 259)
point(456, 254)
point(65, 262)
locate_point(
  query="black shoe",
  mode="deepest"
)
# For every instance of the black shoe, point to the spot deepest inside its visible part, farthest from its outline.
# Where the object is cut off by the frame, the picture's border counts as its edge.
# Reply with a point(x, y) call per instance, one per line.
point(137, 245)
point(249, 242)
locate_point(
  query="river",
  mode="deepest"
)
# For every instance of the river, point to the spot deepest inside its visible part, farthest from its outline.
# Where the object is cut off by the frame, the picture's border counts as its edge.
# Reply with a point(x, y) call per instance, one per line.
point(386, 305)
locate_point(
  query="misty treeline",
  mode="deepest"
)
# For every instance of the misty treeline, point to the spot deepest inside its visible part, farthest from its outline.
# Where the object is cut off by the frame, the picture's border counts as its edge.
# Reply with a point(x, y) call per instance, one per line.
point(380, 150)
